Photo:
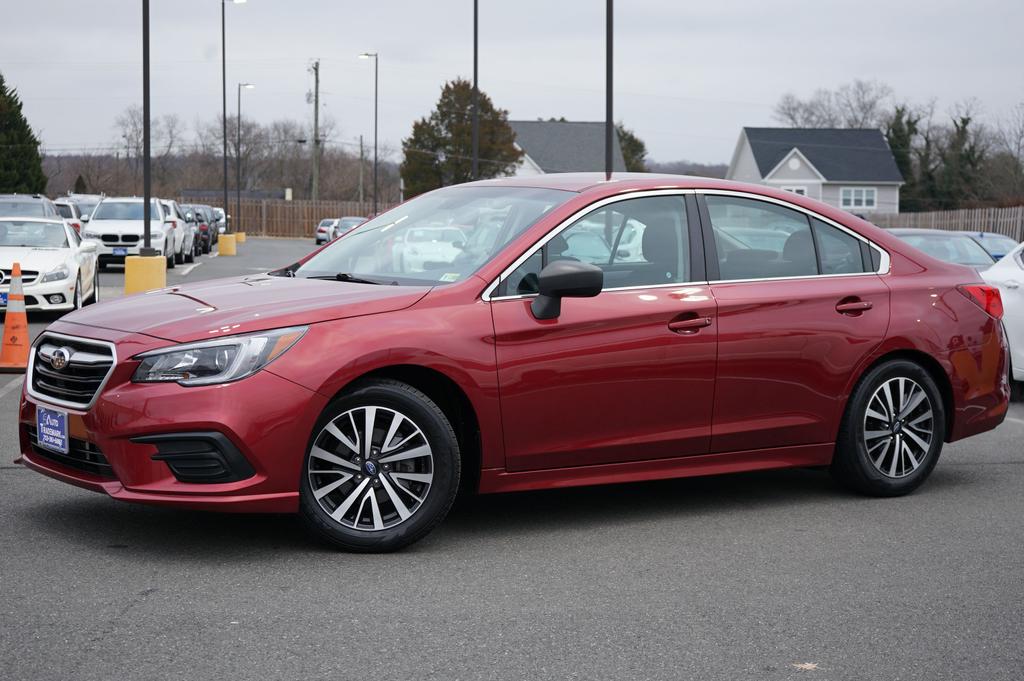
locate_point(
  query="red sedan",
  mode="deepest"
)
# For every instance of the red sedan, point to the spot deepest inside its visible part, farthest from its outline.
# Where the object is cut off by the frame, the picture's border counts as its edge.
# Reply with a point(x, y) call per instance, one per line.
point(574, 332)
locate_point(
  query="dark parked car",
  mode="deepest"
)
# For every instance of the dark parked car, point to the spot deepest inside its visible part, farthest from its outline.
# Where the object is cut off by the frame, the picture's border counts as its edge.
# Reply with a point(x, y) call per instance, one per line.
point(363, 394)
point(997, 245)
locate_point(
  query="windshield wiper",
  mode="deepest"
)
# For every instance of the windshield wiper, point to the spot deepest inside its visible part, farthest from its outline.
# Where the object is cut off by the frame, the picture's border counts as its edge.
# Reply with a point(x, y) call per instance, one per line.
point(345, 276)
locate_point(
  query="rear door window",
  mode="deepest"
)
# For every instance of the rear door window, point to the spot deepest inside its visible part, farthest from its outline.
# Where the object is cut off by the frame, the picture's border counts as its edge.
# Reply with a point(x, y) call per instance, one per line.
point(760, 240)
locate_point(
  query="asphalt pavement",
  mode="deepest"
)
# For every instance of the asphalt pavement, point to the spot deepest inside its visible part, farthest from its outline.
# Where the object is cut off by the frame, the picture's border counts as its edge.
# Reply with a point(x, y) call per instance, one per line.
point(773, 575)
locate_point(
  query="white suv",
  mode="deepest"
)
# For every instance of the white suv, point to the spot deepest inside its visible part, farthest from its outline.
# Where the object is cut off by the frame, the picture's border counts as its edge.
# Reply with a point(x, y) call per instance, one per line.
point(117, 226)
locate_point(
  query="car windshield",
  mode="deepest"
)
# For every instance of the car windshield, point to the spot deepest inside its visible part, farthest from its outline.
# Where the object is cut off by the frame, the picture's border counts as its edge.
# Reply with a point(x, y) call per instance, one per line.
point(437, 238)
point(33, 234)
point(86, 207)
point(997, 245)
point(124, 210)
point(348, 223)
point(955, 248)
point(327, 222)
point(22, 209)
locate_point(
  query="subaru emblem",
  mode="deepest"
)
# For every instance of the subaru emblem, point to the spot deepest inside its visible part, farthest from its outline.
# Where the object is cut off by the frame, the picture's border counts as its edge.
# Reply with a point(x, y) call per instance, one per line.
point(60, 358)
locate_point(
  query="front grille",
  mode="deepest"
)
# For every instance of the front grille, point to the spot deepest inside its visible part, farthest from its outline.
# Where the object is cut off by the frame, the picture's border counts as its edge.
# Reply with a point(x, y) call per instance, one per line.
point(130, 238)
point(82, 455)
point(110, 238)
point(76, 383)
point(27, 276)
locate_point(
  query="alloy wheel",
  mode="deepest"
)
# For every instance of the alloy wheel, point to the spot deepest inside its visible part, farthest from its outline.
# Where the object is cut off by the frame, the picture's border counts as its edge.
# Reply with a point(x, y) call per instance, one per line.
point(899, 427)
point(370, 468)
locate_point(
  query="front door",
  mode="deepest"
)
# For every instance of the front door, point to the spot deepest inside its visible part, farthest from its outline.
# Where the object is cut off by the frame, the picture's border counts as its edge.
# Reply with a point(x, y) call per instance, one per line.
point(627, 375)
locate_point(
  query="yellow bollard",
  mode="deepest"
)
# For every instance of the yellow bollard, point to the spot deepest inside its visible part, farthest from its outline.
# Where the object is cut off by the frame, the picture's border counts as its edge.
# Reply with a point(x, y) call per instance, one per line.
point(144, 273)
point(239, 237)
point(226, 244)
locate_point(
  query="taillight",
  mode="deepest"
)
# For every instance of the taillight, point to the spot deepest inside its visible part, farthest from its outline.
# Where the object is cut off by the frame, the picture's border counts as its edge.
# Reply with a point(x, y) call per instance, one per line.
point(203, 228)
point(986, 297)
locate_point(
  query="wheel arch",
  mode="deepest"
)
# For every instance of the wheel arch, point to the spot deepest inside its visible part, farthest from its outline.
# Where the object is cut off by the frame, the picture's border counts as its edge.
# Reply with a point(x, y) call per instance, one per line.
point(931, 365)
point(449, 396)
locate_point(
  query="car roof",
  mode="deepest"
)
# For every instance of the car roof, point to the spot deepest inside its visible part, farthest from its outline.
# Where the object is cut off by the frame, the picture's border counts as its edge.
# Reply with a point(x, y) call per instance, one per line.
point(14, 218)
point(22, 197)
point(581, 182)
point(909, 231)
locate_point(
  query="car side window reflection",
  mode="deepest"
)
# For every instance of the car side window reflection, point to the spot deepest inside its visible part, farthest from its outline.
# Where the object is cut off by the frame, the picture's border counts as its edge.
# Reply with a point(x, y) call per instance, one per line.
point(636, 242)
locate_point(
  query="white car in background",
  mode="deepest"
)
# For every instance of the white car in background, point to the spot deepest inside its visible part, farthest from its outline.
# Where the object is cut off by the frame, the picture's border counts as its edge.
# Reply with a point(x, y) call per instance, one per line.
point(429, 248)
point(71, 212)
point(324, 231)
point(116, 226)
point(59, 271)
point(343, 226)
point(183, 232)
point(1008, 276)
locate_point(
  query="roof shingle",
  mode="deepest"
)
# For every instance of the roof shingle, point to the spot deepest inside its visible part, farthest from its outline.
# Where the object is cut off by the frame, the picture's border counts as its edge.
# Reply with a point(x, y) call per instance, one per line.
point(566, 146)
point(841, 155)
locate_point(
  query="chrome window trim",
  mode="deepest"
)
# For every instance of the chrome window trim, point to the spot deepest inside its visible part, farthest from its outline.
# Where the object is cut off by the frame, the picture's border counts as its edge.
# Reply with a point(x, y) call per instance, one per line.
point(884, 259)
point(66, 403)
point(486, 296)
point(883, 265)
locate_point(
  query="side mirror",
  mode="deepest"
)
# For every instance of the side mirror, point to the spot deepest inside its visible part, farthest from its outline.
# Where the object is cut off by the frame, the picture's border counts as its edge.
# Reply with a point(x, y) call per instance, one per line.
point(87, 246)
point(459, 244)
point(85, 217)
point(221, 230)
point(565, 279)
point(188, 216)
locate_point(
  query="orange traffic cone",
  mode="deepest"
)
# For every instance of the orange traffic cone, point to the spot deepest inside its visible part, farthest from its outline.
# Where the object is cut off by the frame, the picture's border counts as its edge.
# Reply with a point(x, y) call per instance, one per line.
point(14, 356)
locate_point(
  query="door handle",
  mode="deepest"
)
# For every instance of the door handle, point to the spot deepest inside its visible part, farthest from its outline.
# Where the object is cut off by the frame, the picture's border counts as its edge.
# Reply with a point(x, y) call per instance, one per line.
point(853, 306)
point(1011, 284)
point(692, 325)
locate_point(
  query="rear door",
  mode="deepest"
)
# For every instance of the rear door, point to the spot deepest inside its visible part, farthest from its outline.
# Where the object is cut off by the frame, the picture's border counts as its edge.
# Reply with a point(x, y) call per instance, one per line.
point(799, 308)
point(627, 375)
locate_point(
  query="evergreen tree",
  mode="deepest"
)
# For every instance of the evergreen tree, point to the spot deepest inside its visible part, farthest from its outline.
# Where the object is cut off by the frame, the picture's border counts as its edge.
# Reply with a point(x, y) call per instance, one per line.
point(80, 186)
point(439, 151)
point(634, 151)
point(960, 180)
point(21, 167)
point(900, 133)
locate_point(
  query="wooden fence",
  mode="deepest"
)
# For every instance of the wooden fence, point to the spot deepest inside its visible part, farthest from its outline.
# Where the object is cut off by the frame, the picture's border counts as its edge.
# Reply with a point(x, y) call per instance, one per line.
point(276, 217)
point(1008, 221)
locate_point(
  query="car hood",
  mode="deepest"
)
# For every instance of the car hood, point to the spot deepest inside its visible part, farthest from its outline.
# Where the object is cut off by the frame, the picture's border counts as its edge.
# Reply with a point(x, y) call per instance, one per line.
point(241, 305)
point(36, 259)
point(120, 226)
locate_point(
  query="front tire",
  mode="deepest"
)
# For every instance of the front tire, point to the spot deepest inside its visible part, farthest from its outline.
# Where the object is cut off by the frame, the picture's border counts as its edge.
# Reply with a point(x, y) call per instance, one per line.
point(387, 490)
point(95, 297)
point(892, 432)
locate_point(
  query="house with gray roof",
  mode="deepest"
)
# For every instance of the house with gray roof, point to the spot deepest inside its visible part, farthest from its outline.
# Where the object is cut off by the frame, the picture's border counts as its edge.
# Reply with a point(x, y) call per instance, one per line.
point(563, 147)
point(851, 169)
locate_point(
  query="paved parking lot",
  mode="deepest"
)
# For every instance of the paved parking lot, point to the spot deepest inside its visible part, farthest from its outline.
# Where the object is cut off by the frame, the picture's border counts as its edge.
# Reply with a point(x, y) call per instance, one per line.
point(776, 575)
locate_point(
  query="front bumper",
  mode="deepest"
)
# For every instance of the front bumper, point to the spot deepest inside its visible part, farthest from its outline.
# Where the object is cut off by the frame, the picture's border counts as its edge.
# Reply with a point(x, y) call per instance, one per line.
point(37, 296)
point(265, 418)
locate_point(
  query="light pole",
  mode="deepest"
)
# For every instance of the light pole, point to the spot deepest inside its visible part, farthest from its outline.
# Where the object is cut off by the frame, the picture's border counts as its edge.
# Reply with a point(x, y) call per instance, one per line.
point(609, 134)
point(146, 186)
point(376, 61)
point(476, 98)
point(238, 152)
point(224, 96)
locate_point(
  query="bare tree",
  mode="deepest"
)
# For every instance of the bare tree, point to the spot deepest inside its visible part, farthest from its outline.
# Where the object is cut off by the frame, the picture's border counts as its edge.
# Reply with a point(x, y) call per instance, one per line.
point(860, 104)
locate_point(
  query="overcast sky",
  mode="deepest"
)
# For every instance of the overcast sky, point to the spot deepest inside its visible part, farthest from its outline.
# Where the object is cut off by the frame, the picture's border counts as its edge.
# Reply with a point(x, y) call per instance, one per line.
point(689, 74)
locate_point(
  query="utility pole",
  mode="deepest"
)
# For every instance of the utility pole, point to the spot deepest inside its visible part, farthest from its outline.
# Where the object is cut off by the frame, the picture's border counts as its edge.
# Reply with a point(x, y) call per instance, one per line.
point(146, 186)
point(361, 163)
point(476, 100)
point(609, 126)
point(316, 130)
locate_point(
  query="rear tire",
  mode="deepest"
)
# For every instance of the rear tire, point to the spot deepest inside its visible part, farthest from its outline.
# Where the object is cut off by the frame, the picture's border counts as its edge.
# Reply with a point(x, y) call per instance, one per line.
point(411, 494)
point(892, 432)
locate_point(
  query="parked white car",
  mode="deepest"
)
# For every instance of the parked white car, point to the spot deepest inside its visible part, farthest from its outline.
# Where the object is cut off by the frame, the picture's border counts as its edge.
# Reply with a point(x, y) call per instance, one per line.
point(1008, 275)
point(116, 226)
point(324, 231)
point(428, 248)
point(183, 232)
point(345, 225)
point(59, 271)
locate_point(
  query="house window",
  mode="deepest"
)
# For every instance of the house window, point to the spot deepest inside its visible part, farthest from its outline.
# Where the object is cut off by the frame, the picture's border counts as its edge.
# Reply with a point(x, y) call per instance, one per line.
point(852, 198)
point(802, 191)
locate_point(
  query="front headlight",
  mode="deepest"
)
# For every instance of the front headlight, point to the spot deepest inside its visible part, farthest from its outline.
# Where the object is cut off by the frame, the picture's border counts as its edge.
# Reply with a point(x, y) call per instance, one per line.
point(61, 272)
point(218, 361)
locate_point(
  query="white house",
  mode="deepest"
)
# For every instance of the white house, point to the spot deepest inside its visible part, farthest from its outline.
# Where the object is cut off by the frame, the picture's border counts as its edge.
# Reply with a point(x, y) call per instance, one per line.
point(851, 169)
point(563, 147)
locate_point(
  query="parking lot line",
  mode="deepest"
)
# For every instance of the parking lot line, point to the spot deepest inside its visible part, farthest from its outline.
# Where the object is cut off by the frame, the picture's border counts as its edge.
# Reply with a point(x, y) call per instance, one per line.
point(14, 383)
point(184, 272)
point(1015, 420)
